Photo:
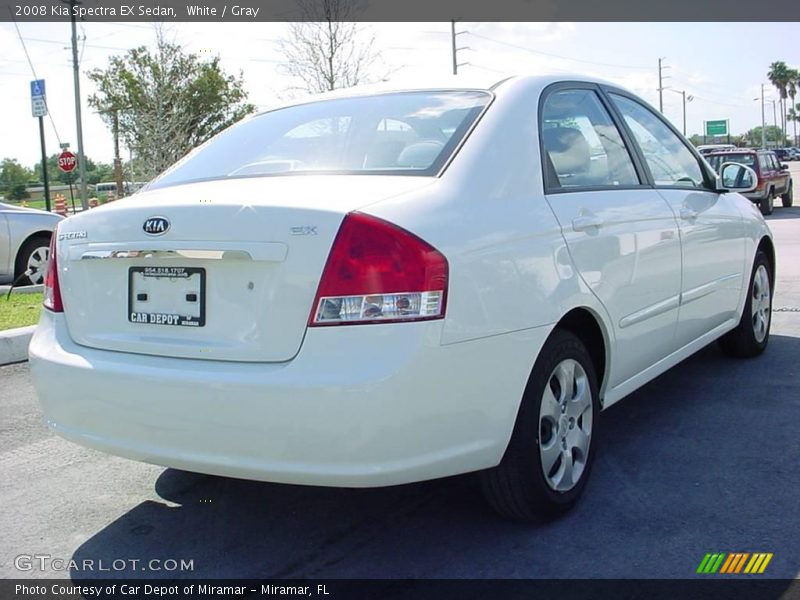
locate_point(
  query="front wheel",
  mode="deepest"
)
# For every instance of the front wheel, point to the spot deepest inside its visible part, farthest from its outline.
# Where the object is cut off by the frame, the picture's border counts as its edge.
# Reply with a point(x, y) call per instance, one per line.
point(751, 336)
point(549, 457)
point(788, 197)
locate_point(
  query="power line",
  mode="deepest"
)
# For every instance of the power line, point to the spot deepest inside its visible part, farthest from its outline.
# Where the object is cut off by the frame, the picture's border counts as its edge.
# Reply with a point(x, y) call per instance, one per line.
point(33, 70)
point(580, 60)
point(41, 41)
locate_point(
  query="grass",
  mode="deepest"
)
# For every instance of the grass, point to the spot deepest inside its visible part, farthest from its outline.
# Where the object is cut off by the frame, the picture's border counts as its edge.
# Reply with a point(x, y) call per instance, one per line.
point(20, 310)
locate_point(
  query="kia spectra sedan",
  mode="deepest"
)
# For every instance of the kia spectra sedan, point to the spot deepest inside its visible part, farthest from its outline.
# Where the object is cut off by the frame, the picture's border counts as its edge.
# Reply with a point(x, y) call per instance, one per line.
point(384, 286)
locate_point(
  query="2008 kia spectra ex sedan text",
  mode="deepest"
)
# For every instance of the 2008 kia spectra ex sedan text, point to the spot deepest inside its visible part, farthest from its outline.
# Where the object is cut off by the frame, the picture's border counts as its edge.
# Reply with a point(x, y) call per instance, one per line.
point(386, 286)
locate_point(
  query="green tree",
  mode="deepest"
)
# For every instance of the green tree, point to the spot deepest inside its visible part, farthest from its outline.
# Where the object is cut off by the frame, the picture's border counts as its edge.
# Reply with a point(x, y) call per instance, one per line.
point(774, 135)
point(14, 179)
point(168, 101)
point(56, 175)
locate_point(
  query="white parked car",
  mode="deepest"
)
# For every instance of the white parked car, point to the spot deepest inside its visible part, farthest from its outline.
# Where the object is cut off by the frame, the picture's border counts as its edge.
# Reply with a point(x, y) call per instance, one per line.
point(380, 287)
point(24, 243)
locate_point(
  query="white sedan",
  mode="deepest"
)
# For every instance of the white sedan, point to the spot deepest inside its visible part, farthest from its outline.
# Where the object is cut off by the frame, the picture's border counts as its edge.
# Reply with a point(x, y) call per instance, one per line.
point(385, 286)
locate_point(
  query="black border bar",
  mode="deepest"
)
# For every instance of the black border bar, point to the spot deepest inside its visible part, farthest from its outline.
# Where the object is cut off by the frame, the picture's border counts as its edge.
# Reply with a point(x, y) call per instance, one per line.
point(712, 588)
point(246, 11)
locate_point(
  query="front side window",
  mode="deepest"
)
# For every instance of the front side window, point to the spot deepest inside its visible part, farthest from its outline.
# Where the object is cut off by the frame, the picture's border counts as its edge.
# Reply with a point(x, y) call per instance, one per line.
point(671, 163)
point(582, 146)
point(406, 133)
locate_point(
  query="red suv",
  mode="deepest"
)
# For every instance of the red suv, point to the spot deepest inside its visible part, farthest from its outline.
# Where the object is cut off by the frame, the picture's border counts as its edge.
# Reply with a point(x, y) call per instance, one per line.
point(773, 176)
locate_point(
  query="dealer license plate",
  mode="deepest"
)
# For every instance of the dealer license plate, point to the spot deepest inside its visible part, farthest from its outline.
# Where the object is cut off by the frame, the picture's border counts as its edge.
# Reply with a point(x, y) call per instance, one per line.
point(173, 296)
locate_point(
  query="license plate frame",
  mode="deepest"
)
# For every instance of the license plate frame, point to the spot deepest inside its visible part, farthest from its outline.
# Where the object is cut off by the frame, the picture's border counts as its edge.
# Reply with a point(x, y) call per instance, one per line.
point(169, 319)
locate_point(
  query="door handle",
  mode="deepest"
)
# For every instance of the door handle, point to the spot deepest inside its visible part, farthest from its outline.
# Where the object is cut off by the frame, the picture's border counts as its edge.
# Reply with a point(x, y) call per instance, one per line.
point(584, 222)
point(687, 214)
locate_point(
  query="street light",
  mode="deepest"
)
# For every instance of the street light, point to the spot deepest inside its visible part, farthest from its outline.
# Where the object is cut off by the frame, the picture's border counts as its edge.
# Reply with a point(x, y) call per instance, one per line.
point(685, 100)
point(763, 120)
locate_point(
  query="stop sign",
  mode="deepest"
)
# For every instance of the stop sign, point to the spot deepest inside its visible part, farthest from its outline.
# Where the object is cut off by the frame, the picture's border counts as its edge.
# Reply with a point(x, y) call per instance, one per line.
point(67, 161)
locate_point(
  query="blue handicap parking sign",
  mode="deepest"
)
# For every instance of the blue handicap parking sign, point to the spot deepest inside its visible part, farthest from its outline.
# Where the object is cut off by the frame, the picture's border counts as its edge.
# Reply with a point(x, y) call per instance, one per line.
point(37, 88)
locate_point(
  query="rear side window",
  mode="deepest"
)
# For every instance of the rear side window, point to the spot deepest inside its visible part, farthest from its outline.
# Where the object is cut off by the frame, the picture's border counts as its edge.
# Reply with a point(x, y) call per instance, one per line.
point(671, 163)
point(773, 162)
point(748, 160)
point(582, 146)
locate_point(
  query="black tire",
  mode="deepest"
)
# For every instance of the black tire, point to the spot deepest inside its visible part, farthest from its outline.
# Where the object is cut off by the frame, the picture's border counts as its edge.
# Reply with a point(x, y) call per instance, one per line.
point(32, 246)
point(767, 203)
point(518, 488)
point(788, 198)
point(743, 341)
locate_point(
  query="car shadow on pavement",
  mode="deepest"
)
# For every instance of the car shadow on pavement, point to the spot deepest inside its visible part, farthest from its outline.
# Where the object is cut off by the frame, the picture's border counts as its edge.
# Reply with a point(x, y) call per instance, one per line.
point(699, 460)
point(781, 213)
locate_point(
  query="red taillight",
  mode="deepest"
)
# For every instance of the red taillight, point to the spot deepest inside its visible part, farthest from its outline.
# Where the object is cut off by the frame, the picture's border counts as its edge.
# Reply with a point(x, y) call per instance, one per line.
point(52, 291)
point(379, 273)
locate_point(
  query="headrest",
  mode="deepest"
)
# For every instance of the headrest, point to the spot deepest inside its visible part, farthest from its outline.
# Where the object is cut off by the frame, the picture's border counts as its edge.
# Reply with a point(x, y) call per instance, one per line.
point(568, 149)
point(419, 155)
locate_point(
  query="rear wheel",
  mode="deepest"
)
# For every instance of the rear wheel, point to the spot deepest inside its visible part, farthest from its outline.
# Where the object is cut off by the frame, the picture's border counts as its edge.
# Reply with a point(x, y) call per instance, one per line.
point(751, 336)
point(788, 197)
point(548, 460)
point(767, 203)
point(32, 259)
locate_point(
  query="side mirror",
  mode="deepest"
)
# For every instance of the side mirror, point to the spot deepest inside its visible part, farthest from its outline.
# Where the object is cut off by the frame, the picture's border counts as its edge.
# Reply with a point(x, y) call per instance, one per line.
point(782, 166)
point(734, 177)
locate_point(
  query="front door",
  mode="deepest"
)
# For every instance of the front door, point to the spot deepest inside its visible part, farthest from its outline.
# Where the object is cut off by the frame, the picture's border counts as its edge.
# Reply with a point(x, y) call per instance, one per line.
point(711, 225)
point(622, 235)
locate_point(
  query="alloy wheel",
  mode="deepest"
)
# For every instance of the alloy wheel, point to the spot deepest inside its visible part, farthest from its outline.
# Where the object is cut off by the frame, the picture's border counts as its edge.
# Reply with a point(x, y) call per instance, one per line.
point(565, 425)
point(761, 303)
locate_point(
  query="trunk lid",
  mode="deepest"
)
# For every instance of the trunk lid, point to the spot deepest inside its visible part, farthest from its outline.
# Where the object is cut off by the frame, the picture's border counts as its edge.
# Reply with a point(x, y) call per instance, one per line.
point(239, 264)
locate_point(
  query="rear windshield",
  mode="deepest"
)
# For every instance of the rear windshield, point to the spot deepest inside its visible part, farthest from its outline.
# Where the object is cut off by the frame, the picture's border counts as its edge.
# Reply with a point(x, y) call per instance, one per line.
point(408, 133)
point(748, 160)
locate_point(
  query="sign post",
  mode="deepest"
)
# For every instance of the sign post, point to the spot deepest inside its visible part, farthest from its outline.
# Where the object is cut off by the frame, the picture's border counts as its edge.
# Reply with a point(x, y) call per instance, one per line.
point(39, 110)
point(67, 162)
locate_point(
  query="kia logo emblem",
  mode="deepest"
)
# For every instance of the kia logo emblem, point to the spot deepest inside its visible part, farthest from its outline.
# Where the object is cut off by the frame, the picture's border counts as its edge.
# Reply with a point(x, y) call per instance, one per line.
point(156, 225)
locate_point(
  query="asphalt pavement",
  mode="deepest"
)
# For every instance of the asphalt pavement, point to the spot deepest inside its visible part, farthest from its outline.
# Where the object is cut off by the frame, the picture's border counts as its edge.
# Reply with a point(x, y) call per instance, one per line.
point(703, 459)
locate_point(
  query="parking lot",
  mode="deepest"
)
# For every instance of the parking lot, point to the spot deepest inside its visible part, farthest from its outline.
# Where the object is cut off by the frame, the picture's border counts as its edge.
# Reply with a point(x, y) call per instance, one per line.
point(703, 459)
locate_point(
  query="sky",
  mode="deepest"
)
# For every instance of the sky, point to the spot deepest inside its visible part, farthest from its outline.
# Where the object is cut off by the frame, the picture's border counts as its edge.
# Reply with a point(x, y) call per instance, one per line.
point(722, 65)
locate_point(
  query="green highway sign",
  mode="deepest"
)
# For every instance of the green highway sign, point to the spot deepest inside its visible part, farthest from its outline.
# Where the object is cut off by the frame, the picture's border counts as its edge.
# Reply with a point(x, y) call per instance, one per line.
point(717, 127)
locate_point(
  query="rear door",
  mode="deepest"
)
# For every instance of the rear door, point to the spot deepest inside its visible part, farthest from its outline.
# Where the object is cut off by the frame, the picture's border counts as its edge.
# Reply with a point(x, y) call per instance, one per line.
point(711, 226)
point(779, 176)
point(621, 234)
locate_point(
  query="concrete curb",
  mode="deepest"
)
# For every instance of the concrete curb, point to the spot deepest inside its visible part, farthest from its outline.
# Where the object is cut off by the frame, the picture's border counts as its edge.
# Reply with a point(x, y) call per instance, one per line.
point(14, 344)
point(28, 289)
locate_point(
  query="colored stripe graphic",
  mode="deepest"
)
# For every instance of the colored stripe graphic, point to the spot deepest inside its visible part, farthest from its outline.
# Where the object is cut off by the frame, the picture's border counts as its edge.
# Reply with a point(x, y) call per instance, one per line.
point(764, 564)
point(728, 562)
point(733, 563)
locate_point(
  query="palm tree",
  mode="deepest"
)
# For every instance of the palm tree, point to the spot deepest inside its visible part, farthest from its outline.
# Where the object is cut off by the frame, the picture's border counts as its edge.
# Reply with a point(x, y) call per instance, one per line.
point(792, 89)
point(779, 75)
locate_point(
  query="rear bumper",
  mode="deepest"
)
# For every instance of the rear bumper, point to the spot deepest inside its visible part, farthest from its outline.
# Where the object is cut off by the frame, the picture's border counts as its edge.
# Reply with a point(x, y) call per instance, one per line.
point(359, 406)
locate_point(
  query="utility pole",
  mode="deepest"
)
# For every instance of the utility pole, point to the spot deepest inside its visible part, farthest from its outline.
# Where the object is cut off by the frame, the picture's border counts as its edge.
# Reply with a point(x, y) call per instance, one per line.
point(117, 161)
point(78, 124)
point(661, 78)
point(683, 93)
point(453, 34)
